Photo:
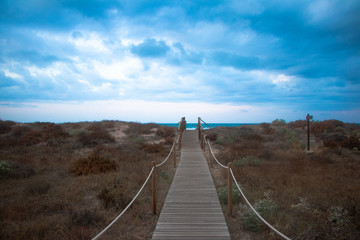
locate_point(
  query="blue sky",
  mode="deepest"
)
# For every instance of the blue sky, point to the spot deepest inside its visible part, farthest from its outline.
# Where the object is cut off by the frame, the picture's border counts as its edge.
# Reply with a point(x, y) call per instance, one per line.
point(156, 61)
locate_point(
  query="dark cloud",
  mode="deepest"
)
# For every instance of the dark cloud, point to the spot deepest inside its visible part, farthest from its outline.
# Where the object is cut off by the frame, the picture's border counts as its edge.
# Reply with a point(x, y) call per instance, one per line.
point(314, 43)
point(316, 47)
point(33, 57)
point(96, 9)
point(6, 81)
point(186, 56)
point(235, 60)
point(150, 48)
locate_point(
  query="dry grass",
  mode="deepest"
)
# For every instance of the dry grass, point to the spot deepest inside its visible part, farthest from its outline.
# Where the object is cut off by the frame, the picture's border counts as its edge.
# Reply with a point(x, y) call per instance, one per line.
point(305, 196)
point(55, 182)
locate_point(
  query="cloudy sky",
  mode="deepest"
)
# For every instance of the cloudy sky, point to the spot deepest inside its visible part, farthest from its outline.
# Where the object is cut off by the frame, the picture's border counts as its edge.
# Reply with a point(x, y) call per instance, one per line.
point(156, 61)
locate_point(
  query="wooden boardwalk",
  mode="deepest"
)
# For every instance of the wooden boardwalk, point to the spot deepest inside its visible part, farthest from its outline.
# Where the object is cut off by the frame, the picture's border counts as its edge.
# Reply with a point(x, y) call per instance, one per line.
point(192, 209)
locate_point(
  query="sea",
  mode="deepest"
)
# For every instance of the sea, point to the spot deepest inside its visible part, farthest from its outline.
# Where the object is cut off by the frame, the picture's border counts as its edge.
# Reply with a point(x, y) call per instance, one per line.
point(192, 126)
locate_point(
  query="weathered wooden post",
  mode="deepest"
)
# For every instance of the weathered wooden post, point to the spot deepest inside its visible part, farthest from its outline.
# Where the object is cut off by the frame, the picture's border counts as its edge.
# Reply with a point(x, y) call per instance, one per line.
point(180, 139)
point(308, 117)
point(183, 124)
point(154, 202)
point(199, 128)
point(229, 191)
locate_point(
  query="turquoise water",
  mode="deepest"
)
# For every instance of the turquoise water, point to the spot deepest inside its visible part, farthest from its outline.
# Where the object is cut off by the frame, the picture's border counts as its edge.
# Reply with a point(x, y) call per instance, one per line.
point(192, 126)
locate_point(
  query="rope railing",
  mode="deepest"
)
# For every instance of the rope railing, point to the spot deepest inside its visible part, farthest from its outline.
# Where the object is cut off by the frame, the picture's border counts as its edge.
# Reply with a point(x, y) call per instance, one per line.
point(172, 148)
point(253, 209)
point(212, 153)
point(205, 123)
point(108, 226)
point(172, 151)
point(231, 178)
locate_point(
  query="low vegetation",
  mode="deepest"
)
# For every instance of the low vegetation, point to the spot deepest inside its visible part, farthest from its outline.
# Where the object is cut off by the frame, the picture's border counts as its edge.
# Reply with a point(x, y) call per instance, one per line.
point(68, 181)
point(306, 195)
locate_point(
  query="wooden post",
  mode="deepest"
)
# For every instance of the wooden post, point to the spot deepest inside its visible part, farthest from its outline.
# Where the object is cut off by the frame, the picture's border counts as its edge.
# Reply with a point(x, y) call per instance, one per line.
point(154, 202)
point(174, 155)
point(308, 117)
point(199, 128)
point(182, 124)
point(180, 139)
point(229, 191)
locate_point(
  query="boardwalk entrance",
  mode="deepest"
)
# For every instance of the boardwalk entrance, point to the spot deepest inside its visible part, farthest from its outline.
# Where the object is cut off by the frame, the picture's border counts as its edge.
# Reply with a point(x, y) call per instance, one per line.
point(192, 209)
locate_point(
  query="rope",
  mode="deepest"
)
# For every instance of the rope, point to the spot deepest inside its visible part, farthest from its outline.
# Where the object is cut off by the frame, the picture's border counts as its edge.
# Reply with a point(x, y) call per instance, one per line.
point(215, 157)
point(142, 187)
point(105, 229)
point(205, 123)
point(257, 214)
point(172, 148)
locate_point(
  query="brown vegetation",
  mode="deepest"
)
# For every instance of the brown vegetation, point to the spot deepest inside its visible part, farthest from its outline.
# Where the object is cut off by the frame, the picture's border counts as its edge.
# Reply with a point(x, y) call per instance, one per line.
point(68, 181)
point(304, 195)
point(92, 164)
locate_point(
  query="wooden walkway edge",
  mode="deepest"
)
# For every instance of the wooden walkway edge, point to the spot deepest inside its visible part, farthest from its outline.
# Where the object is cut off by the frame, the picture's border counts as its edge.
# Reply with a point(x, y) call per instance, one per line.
point(192, 209)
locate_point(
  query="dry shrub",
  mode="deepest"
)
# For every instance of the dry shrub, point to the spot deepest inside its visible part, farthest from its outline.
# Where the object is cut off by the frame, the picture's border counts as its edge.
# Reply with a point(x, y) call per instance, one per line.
point(169, 140)
point(249, 144)
point(53, 131)
point(5, 168)
point(331, 144)
point(21, 171)
point(229, 135)
point(37, 187)
point(54, 204)
point(26, 136)
point(78, 232)
point(108, 123)
point(242, 131)
point(139, 129)
point(325, 126)
point(298, 124)
point(6, 142)
point(93, 164)
point(254, 137)
point(351, 143)
point(333, 141)
point(85, 218)
point(212, 136)
point(153, 147)
point(266, 153)
point(114, 197)
point(267, 129)
point(96, 135)
point(6, 126)
point(279, 122)
point(166, 132)
point(30, 138)
point(20, 131)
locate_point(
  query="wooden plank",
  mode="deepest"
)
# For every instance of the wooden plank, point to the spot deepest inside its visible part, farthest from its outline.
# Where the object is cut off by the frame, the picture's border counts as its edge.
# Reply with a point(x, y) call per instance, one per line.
point(191, 209)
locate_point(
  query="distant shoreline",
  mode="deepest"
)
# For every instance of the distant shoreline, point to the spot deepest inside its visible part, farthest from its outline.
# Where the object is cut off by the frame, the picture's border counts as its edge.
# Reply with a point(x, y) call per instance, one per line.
point(191, 126)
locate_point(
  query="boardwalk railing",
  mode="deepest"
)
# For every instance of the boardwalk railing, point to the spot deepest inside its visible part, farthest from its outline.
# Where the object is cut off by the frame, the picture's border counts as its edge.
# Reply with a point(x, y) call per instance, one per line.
point(181, 128)
point(231, 177)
